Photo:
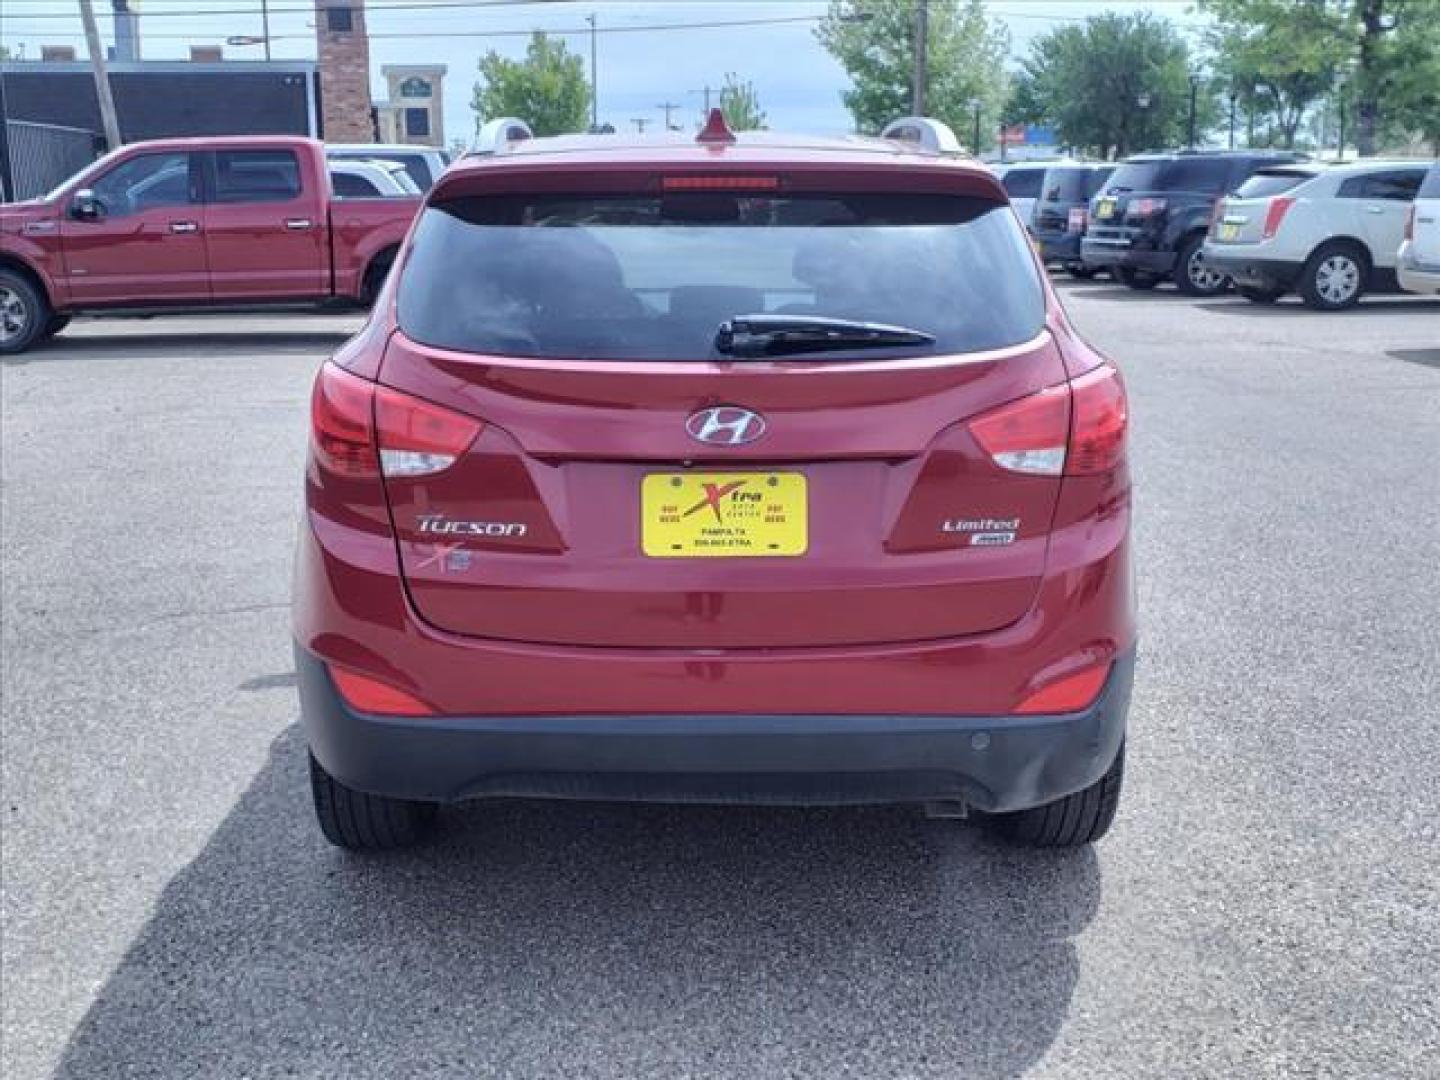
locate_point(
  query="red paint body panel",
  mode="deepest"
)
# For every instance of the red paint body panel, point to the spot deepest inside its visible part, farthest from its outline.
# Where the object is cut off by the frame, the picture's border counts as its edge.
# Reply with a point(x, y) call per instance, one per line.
point(300, 250)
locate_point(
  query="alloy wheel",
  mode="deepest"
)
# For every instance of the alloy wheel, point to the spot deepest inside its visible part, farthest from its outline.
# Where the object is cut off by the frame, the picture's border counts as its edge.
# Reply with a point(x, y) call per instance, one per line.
point(1205, 278)
point(13, 315)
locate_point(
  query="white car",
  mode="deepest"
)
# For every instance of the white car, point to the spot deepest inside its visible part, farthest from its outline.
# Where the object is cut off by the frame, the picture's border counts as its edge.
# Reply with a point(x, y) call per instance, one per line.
point(423, 163)
point(1417, 264)
point(1330, 233)
point(371, 180)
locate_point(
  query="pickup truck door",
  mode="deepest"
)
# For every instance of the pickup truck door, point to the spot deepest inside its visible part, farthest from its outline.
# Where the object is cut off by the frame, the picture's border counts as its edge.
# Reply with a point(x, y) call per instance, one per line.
point(265, 226)
point(143, 246)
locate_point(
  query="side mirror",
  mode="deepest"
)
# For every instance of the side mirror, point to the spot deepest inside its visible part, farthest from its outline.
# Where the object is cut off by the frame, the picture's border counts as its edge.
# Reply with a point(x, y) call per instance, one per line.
point(86, 207)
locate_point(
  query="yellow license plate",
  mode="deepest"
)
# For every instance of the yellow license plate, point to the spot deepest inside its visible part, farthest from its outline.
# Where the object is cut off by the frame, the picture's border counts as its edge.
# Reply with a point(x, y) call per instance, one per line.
point(705, 514)
point(1229, 231)
point(1105, 208)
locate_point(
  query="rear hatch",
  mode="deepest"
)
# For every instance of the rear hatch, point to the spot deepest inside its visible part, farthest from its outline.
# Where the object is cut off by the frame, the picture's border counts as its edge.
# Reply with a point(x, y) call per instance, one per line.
point(1255, 211)
point(1064, 198)
point(642, 479)
point(1425, 227)
point(1143, 192)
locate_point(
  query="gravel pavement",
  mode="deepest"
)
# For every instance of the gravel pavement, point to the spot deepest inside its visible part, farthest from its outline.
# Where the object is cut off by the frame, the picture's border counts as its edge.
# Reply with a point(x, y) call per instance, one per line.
point(1268, 903)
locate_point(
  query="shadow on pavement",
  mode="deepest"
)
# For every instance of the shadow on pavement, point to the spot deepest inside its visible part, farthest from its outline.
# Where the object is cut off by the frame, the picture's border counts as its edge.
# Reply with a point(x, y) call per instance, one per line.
point(1428, 357)
point(570, 939)
point(1380, 307)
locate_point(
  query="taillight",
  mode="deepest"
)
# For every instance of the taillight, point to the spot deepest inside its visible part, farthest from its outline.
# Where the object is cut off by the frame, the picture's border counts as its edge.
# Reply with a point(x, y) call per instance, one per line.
point(1216, 213)
point(1077, 430)
point(1070, 694)
point(1146, 207)
point(341, 431)
point(1028, 435)
point(1410, 223)
point(1275, 214)
point(1077, 220)
point(417, 438)
point(1100, 416)
point(361, 429)
point(367, 694)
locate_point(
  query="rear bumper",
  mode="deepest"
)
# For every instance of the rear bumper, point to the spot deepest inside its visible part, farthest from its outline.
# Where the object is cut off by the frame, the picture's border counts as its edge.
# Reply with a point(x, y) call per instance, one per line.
point(1107, 254)
point(1059, 247)
point(994, 763)
point(1247, 269)
point(1414, 277)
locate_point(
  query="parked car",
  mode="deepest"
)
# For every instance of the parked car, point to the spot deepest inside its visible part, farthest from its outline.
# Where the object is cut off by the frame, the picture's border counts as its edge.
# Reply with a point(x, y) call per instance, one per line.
point(1330, 233)
point(1149, 222)
point(192, 223)
point(423, 163)
point(371, 180)
point(1418, 261)
point(763, 472)
point(1062, 212)
point(1021, 182)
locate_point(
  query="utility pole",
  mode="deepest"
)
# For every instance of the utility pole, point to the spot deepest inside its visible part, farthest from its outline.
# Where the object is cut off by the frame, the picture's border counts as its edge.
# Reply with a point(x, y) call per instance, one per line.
point(640, 122)
point(668, 107)
point(102, 77)
point(265, 25)
point(1194, 90)
point(922, 41)
point(594, 78)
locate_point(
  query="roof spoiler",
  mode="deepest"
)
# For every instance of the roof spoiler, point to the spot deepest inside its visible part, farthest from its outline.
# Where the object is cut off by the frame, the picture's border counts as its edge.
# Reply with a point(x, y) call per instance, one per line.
point(497, 135)
point(932, 135)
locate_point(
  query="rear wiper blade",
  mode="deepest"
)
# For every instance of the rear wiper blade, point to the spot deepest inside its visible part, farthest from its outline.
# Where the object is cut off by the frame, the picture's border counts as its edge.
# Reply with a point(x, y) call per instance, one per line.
point(779, 335)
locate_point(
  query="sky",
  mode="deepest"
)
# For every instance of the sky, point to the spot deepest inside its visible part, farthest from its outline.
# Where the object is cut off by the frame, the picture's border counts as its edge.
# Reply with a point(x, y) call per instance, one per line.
point(639, 69)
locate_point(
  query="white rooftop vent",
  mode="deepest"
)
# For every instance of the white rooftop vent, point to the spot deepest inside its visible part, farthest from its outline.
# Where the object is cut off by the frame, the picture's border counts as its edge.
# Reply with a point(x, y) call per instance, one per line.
point(933, 135)
point(497, 135)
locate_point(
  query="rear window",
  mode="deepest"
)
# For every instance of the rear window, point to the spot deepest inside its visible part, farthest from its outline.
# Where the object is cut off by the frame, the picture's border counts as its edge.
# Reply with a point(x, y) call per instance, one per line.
point(256, 176)
point(1271, 182)
point(1065, 185)
point(1172, 174)
point(1430, 189)
point(653, 277)
point(1023, 183)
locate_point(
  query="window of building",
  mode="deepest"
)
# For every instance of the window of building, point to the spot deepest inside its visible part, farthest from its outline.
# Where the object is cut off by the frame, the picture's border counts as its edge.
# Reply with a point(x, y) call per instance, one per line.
point(339, 20)
point(417, 123)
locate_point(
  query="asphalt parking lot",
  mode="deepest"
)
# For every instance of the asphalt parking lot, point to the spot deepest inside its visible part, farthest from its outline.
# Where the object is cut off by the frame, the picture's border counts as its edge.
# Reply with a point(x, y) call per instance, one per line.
point(1267, 905)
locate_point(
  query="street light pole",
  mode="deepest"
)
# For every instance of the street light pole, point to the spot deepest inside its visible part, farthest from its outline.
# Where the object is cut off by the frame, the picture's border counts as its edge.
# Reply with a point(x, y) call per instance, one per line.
point(977, 127)
point(1194, 90)
point(1233, 97)
point(265, 25)
point(102, 77)
point(594, 78)
point(922, 41)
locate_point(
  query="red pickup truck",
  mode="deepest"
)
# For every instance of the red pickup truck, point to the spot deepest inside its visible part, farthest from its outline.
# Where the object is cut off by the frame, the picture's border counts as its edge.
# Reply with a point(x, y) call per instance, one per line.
point(179, 224)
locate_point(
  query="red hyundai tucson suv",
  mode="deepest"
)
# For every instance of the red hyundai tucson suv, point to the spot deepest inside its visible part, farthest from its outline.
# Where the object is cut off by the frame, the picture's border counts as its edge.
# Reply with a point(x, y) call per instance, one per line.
point(752, 469)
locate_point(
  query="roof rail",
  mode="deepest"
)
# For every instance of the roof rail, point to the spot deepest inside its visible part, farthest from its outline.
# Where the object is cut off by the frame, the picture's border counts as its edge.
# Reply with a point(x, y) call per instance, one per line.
point(933, 135)
point(497, 135)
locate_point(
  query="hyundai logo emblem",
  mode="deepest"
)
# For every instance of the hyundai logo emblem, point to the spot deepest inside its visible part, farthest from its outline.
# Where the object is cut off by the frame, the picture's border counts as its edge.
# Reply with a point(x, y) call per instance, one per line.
point(725, 425)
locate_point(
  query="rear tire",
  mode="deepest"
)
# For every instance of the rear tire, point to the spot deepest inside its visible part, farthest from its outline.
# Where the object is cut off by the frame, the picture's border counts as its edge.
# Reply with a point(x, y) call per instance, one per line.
point(55, 325)
point(24, 313)
point(1073, 821)
point(359, 821)
point(1134, 279)
point(375, 275)
point(1260, 296)
point(1081, 272)
point(1192, 276)
point(1334, 277)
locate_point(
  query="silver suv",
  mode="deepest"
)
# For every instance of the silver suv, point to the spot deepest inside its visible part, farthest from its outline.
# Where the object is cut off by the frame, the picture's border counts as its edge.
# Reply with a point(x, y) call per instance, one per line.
point(1329, 233)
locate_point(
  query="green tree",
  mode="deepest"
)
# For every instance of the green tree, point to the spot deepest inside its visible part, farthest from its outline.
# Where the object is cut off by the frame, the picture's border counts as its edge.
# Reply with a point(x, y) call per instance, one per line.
point(741, 104)
point(1279, 57)
point(548, 89)
point(1113, 85)
point(874, 41)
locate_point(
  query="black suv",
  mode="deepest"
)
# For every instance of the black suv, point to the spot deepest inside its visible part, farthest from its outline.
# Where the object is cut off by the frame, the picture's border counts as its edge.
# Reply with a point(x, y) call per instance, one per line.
point(1149, 222)
point(1062, 211)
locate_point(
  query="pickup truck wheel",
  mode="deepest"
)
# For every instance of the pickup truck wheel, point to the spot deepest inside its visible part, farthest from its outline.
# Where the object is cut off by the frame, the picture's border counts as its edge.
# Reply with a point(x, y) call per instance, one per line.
point(1073, 821)
point(363, 822)
point(375, 275)
point(56, 324)
point(1334, 277)
point(24, 314)
point(1193, 275)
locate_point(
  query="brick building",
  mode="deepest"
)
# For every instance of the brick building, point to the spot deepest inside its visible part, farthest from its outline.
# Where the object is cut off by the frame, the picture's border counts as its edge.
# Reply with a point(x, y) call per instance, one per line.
point(343, 51)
